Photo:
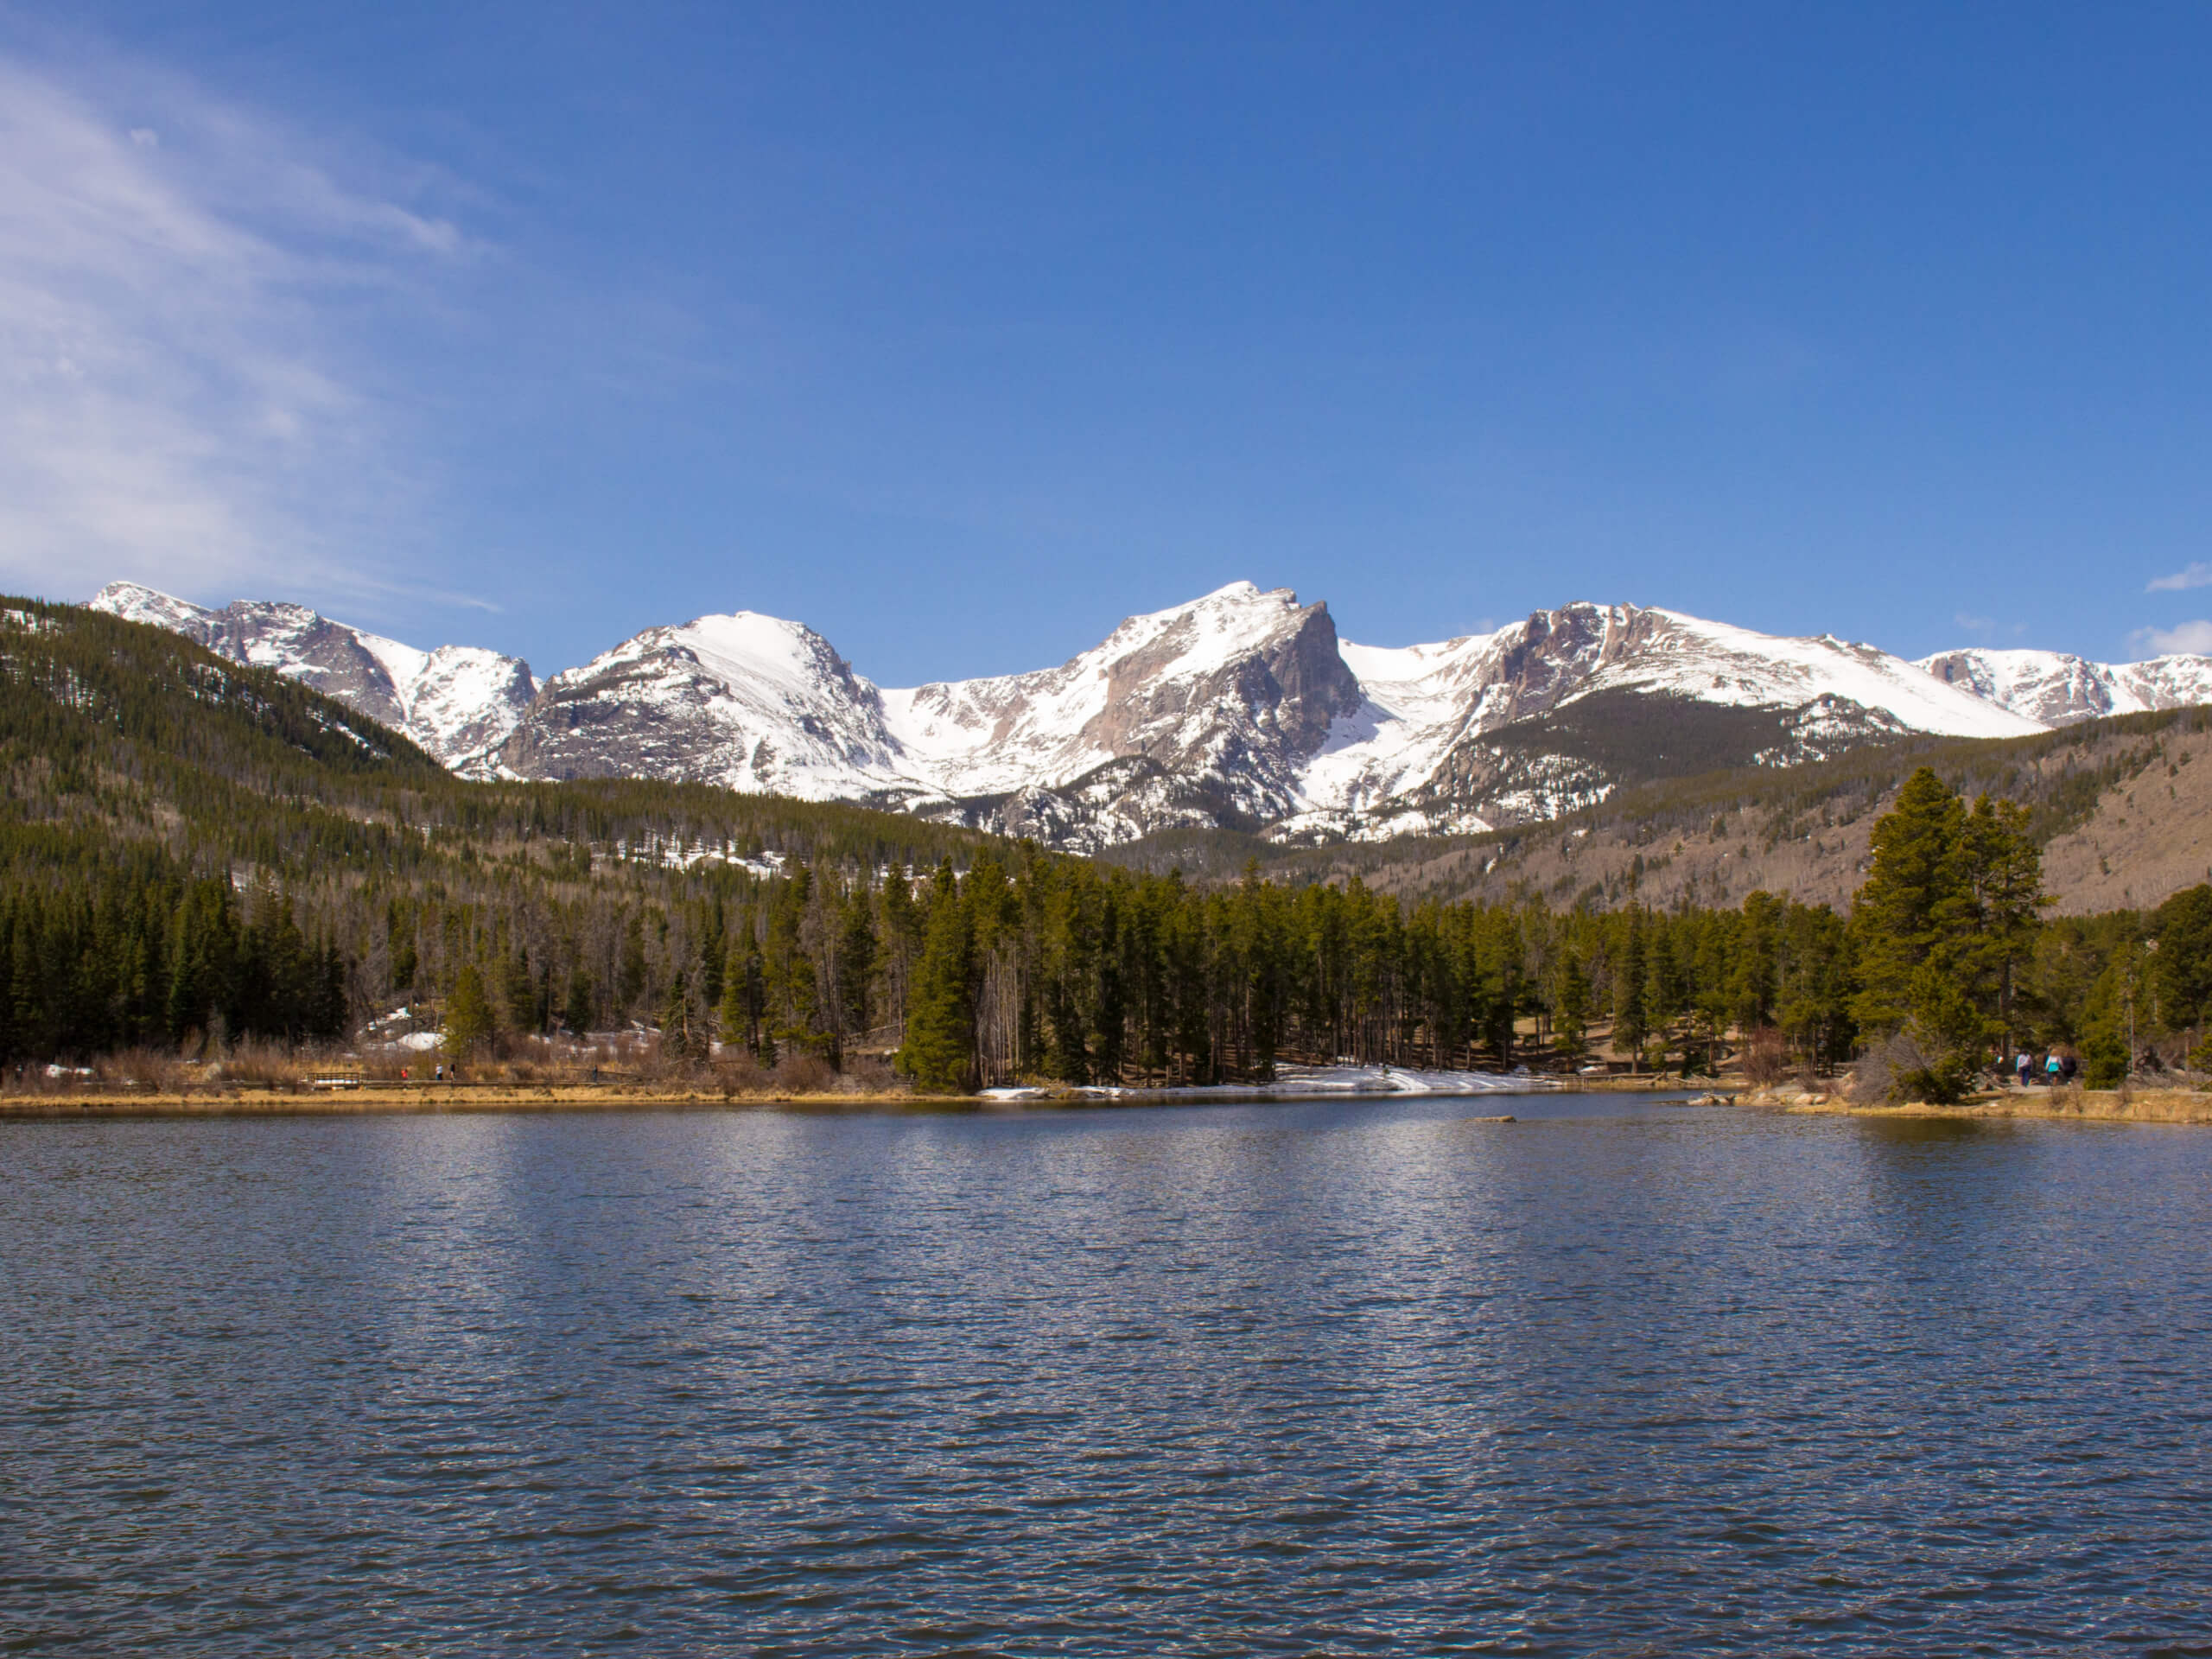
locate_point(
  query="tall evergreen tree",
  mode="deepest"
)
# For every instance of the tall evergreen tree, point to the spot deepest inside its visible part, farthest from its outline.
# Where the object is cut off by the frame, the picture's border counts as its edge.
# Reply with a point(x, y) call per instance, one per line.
point(1911, 890)
point(1571, 1007)
point(939, 1054)
point(469, 1021)
point(2183, 927)
point(1944, 922)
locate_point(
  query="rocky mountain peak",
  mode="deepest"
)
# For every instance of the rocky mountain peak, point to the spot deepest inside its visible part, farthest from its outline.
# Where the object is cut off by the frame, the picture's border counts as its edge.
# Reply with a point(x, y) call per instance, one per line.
point(744, 700)
point(1253, 667)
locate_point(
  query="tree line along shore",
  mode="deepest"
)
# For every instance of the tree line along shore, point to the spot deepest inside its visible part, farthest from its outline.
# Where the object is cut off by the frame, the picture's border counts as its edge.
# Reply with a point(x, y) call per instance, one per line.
point(209, 875)
point(1033, 968)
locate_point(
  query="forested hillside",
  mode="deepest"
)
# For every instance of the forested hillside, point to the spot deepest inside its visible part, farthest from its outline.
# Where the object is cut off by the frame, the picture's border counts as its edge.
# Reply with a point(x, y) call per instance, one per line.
point(193, 853)
point(190, 850)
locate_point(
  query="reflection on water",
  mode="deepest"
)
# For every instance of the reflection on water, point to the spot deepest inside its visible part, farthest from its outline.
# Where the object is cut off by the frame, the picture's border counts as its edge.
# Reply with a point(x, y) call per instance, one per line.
point(1924, 1131)
point(1345, 1377)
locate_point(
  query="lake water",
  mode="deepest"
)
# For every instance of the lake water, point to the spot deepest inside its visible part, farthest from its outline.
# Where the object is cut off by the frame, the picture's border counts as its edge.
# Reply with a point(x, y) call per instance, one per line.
point(1622, 1377)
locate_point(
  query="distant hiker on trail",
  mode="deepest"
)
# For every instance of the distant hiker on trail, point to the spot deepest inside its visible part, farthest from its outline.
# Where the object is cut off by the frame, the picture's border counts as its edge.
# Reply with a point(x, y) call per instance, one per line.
point(2052, 1068)
point(2027, 1067)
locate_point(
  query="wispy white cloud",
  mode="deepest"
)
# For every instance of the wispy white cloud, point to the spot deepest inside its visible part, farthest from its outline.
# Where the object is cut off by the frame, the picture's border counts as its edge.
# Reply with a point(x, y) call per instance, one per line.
point(184, 394)
point(1981, 625)
point(2198, 575)
point(2193, 637)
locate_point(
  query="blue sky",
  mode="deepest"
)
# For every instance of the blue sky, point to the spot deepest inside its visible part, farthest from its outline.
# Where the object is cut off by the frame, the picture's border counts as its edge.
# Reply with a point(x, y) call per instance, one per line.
point(961, 333)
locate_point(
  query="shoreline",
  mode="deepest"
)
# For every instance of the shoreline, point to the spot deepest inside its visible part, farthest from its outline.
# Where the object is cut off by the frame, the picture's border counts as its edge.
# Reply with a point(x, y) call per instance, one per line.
point(448, 1100)
point(2077, 1105)
point(466, 1099)
point(2087, 1105)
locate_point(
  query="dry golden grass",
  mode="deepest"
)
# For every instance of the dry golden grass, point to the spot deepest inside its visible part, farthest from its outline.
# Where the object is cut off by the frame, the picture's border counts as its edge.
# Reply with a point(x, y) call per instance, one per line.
point(2101, 1105)
point(531, 1074)
point(439, 1098)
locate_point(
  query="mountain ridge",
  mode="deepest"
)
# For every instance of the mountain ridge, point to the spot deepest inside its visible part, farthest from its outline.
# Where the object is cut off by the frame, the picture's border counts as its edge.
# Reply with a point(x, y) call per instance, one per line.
point(456, 703)
point(2060, 688)
point(1243, 709)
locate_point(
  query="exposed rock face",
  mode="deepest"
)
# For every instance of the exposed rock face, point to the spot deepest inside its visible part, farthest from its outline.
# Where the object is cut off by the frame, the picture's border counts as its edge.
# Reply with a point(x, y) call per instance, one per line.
point(1239, 687)
point(1551, 656)
point(457, 703)
point(1241, 708)
point(1246, 723)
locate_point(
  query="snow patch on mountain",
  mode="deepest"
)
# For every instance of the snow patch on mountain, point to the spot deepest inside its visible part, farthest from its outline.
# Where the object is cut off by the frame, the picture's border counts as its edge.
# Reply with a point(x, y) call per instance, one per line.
point(136, 604)
point(2057, 690)
point(1713, 662)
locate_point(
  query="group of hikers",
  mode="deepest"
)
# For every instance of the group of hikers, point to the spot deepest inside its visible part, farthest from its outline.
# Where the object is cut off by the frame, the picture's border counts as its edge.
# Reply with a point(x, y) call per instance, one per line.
point(2056, 1069)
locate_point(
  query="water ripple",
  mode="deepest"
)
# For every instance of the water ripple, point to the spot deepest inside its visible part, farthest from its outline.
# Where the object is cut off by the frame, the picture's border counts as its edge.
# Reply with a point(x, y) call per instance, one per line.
point(1342, 1379)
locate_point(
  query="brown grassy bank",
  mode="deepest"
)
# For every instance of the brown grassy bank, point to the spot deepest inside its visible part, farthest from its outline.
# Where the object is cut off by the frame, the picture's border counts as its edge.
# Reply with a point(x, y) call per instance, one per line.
point(448, 1099)
point(90, 1101)
point(2087, 1105)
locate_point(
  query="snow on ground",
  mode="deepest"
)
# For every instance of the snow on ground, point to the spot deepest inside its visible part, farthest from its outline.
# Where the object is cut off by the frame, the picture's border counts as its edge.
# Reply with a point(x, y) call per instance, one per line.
point(2166, 681)
point(680, 854)
point(1422, 701)
point(1371, 758)
point(1307, 1083)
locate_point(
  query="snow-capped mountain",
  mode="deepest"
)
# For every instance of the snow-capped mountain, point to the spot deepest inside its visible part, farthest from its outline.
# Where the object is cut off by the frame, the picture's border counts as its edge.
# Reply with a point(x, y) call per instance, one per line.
point(1420, 754)
point(1195, 715)
point(2057, 690)
point(749, 701)
point(1240, 709)
point(457, 703)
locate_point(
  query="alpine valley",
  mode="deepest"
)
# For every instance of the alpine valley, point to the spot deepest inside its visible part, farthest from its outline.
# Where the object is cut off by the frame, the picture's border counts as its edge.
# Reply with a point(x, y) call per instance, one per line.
point(1240, 710)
